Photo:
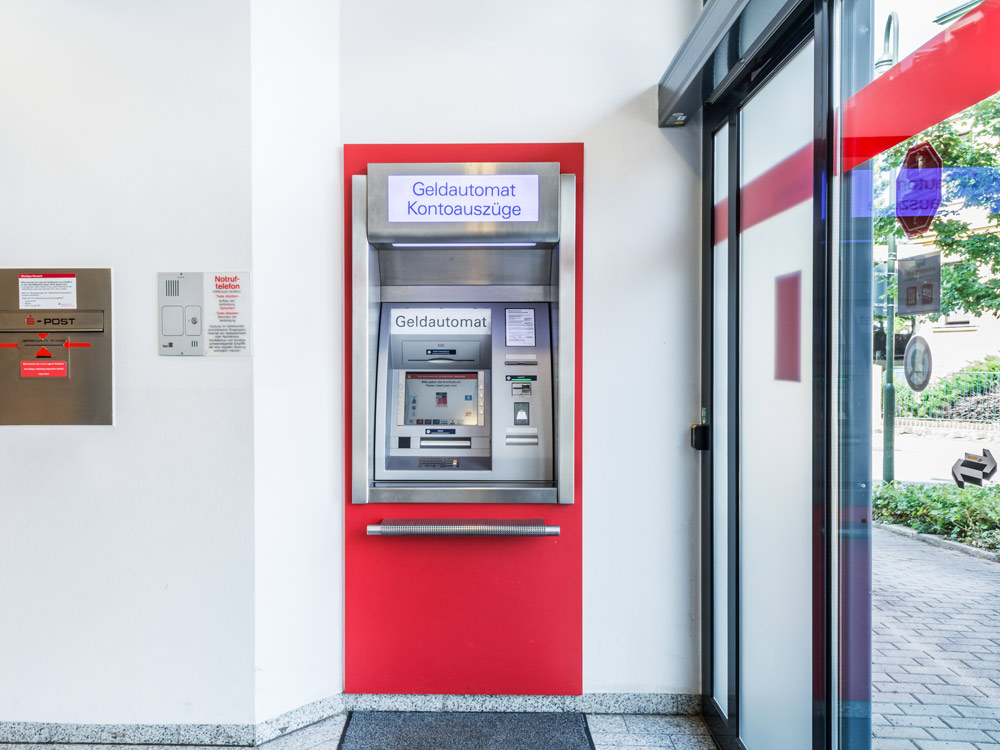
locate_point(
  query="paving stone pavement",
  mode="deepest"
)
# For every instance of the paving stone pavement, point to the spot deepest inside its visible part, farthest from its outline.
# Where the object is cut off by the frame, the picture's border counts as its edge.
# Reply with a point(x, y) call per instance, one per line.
point(935, 647)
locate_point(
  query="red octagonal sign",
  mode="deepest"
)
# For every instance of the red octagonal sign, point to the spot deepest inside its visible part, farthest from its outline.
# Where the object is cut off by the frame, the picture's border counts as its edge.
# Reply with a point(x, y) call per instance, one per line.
point(918, 189)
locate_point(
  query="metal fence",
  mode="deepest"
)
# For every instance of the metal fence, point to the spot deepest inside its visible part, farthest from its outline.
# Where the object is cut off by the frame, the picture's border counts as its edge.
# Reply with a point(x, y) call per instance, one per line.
point(959, 397)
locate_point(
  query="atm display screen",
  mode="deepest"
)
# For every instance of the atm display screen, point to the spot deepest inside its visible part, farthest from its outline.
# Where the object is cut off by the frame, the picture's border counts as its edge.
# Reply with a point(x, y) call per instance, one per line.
point(441, 398)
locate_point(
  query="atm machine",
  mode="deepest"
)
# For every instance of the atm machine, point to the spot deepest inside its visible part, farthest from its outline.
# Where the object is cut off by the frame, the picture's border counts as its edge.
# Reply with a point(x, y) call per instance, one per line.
point(445, 420)
point(462, 346)
point(463, 430)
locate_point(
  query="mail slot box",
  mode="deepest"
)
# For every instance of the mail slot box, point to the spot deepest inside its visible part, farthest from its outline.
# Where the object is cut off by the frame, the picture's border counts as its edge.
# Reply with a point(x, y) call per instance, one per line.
point(55, 346)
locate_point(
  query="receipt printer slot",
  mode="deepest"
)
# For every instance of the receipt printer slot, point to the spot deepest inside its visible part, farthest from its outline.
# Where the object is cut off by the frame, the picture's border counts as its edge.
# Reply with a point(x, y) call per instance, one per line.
point(445, 442)
point(522, 440)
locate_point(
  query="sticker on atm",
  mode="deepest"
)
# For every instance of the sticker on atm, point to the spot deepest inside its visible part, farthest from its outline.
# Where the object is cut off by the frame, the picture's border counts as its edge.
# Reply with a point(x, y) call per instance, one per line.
point(36, 369)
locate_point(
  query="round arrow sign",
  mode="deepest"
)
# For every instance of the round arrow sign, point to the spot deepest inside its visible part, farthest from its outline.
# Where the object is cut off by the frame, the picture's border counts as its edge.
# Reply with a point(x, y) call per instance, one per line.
point(918, 189)
point(917, 363)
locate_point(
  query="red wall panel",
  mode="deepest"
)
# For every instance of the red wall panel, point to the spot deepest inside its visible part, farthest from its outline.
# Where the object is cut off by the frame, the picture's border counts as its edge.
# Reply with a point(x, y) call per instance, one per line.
point(463, 615)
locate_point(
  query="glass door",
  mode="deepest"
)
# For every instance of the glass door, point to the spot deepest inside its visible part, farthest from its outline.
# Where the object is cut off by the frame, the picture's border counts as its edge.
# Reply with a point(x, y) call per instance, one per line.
point(776, 410)
point(764, 492)
point(850, 379)
point(916, 250)
point(718, 668)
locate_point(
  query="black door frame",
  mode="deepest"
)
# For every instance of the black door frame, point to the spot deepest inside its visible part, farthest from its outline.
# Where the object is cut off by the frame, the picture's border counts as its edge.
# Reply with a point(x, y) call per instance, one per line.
point(793, 27)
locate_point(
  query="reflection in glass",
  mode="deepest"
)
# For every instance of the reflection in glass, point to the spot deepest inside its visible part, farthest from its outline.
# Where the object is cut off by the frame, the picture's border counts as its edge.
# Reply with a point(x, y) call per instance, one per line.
point(919, 270)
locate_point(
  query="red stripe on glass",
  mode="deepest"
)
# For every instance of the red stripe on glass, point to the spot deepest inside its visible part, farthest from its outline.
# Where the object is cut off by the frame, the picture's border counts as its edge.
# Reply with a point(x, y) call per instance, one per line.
point(784, 185)
point(948, 74)
point(945, 76)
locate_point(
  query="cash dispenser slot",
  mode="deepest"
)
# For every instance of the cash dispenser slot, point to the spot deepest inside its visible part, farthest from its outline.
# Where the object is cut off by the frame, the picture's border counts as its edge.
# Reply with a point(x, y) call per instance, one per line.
point(430, 351)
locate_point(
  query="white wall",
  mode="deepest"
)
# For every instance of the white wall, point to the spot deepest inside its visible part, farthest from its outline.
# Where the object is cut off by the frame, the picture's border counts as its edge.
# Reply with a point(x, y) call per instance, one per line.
point(453, 71)
point(126, 552)
point(298, 356)
point(127, 135)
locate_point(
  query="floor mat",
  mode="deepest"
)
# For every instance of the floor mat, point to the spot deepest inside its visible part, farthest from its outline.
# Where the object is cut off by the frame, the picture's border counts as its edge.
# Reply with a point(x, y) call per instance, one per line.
point(409, 730)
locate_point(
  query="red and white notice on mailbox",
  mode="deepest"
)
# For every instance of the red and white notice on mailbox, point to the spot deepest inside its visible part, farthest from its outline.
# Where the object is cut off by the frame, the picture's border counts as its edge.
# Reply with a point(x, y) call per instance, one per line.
point(47, 291)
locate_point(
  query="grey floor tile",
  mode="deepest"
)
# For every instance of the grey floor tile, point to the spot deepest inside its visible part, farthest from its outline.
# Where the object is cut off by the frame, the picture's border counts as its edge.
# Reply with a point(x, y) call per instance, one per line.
point(627, 739)
point(88, 746)
point(665, 724)
point(606, 723)
point(693, 742)
point(961, 735)
point(916, 721)
point(884, 744)
point(930, 709)
point(962, 722)
point(901, 733)
point(308, 737)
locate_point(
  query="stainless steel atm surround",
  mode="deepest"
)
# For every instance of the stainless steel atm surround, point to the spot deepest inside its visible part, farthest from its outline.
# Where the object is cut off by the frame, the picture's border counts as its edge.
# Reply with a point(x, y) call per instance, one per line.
point(482, 272)
point(462, 527)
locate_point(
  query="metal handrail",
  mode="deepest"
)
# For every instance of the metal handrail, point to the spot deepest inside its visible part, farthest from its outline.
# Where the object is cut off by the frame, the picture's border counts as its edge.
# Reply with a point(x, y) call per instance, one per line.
point(462, 527)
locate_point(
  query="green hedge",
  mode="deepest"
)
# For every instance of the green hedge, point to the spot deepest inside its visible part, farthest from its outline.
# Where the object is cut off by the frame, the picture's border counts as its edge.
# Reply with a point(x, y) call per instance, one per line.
point(970, 515)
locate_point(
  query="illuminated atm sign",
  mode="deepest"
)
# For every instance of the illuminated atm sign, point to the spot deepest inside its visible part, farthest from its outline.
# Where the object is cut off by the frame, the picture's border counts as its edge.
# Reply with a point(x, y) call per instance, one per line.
point(467, 203)
point(463, 197)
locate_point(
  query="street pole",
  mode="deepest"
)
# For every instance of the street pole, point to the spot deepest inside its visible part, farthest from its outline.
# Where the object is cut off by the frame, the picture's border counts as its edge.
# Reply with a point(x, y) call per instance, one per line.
point(890, 55)
point(889, 402)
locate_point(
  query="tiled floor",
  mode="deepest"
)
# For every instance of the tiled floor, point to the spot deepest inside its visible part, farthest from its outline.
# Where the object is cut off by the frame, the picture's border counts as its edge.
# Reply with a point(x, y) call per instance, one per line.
point(609, 731)
point(324, 735)
point(628, 732)
point(936, 648)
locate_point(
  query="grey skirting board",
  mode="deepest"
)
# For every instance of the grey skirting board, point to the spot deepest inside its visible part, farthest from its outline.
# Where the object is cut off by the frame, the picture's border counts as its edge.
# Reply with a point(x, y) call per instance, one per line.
point(250, 735)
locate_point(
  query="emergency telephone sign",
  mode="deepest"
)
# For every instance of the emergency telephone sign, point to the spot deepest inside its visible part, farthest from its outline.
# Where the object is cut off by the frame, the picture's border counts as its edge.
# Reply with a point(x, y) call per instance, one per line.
point(204, 314)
